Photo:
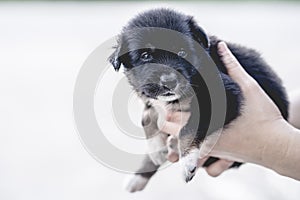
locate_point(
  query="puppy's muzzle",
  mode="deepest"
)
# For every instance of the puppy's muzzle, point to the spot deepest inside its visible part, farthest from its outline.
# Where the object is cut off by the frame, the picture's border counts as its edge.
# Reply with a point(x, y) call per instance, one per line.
point(169, 81)
point(153, 90)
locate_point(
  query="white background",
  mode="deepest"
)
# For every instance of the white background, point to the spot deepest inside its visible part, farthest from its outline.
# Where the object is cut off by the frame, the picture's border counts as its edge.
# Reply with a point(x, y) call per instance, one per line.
point(42, 47)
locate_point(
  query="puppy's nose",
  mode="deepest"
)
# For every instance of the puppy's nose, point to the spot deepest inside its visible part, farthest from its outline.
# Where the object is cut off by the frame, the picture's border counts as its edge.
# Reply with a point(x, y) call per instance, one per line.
point(171, 84)
point(168, 80)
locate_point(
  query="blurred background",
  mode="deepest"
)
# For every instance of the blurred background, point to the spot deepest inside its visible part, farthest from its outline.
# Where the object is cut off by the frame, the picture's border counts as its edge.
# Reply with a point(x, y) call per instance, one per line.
point(42, 47)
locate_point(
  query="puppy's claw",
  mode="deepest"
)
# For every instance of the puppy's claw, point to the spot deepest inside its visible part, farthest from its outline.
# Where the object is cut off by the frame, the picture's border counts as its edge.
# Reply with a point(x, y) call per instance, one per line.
point(189, 163)
point(189, 177)
point(190, 172)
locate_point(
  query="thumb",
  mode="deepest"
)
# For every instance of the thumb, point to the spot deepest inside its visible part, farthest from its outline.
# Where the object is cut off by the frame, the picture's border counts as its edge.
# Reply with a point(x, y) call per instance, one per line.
point(234, 69)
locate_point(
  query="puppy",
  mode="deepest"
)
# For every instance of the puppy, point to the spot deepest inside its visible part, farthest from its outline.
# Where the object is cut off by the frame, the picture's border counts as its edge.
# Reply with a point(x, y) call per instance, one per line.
point(166, 55)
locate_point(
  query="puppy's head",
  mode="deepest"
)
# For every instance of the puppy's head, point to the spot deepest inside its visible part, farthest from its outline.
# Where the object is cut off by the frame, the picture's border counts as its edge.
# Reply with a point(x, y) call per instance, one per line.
point(161, 51)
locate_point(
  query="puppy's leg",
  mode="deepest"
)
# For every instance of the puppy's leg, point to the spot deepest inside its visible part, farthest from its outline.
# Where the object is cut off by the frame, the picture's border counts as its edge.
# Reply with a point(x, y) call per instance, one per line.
point(193, 133)
point(189, 144)
point(189, 152)
point(157, 152)
point(156, 140)
point(139, 180)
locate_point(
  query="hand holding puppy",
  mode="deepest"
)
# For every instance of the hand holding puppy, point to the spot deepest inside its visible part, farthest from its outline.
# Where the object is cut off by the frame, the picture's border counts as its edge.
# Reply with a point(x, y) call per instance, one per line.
point(260, 135)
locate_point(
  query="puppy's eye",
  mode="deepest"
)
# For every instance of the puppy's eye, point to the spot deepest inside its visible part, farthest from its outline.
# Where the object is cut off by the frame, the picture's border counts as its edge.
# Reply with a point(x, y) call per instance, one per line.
point(182, 53)
point(146, 56)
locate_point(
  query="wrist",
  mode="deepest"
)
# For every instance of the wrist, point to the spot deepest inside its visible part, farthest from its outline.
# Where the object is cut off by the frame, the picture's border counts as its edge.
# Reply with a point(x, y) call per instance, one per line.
point(274, 144)
point(281, 152)
point(261, 146)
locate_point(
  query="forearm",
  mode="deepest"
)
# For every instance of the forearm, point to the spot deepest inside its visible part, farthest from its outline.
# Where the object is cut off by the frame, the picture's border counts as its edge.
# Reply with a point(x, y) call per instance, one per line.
point(276, 146)
point(282, 151)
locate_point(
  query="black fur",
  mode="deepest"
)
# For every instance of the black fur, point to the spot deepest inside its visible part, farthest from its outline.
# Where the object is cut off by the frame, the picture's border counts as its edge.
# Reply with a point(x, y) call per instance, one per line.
point(133, 38)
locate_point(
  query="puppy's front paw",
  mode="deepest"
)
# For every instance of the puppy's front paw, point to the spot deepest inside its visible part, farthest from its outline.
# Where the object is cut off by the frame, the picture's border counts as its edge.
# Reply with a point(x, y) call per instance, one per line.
point(189, 164)
point(135, 183)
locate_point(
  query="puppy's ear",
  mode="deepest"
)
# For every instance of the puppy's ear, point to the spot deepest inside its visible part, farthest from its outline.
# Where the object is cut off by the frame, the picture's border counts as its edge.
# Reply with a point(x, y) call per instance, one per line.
point(114, 58)
point(198, 33)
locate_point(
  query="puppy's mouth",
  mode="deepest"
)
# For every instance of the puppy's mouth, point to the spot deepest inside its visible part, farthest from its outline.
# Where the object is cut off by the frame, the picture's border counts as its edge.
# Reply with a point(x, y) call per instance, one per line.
point(156, 91)
point(168, 96)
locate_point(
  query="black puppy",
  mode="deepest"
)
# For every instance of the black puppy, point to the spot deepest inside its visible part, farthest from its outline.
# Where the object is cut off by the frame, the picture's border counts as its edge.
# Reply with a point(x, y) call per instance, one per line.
point(166, 55)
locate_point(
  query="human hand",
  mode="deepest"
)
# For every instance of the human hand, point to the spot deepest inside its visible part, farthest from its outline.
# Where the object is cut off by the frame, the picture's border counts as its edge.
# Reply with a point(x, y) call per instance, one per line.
point(239, 142)
point(260, 134)
point(245, 140)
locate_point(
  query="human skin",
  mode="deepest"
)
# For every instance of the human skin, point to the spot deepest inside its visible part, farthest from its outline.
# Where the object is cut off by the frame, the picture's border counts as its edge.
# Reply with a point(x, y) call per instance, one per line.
point(294, 114)
point(260, 135)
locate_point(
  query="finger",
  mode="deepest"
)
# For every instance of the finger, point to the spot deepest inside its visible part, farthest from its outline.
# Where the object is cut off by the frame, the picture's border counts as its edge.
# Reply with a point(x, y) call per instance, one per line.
point(201, 161)
point(172, 144)
point(234, 69)
point(171, 128)
point(172, 156)
point(218, 167)
point(178, 117)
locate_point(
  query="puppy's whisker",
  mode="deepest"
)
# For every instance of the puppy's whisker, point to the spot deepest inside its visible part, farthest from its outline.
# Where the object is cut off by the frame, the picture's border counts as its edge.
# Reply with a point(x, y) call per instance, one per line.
point(194, 85)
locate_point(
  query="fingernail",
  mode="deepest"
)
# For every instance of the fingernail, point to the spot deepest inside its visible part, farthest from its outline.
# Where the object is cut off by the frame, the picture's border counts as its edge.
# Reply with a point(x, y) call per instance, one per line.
point(222, 47)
